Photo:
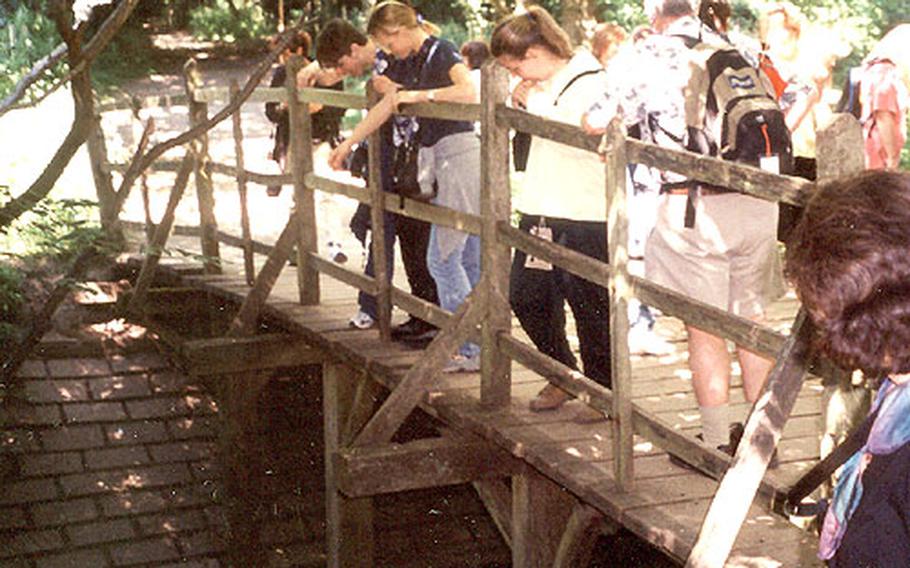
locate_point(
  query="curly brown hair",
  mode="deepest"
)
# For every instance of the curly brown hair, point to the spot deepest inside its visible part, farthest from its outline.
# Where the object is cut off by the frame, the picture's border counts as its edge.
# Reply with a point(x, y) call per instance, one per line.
point(849, 259)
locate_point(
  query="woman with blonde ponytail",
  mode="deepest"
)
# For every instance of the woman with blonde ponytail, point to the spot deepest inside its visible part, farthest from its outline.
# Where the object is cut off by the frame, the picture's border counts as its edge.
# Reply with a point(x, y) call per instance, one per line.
point(421, 68)
point(562, 198)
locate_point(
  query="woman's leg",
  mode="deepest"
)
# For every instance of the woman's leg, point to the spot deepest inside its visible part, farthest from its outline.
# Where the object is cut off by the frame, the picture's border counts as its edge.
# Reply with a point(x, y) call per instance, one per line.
point(452, 283)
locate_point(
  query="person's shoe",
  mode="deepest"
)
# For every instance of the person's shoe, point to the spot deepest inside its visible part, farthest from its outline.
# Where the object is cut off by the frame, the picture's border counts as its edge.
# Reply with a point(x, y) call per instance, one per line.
point(550, 397)
point(362, 320)
point(412, 329)
point(589, 415)
point(645, 341)
point(421, 341)
point(736, 435)
point(273, 190)
point(462, 364)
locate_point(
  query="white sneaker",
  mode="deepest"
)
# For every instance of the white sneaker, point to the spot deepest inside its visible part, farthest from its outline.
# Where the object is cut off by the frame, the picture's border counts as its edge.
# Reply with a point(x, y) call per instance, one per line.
point(462, 364)
point(644, 341)
point(362, 320)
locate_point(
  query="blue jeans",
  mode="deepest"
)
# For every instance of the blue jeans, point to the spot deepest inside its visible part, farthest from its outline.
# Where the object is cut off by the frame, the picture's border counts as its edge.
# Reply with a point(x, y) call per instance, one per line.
point(455, 276)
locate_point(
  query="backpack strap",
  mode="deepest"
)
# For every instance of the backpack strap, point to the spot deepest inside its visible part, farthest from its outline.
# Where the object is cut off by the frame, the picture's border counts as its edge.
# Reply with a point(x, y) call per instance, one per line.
point(572, 82)
point(823, 469)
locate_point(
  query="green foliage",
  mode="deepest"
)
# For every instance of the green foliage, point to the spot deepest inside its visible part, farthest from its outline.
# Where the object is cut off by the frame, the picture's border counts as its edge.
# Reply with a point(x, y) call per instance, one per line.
point(219, 21)
point(626, 13)
point(26, 36)
point(128, 56)
point(55, 228)
point(11, 297)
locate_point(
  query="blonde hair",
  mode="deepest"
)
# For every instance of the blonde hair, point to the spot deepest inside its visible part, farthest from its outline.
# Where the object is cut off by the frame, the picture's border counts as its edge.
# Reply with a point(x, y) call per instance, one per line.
point(515, 34)
point(892, 46)
point(792, 19)
point(391, 14)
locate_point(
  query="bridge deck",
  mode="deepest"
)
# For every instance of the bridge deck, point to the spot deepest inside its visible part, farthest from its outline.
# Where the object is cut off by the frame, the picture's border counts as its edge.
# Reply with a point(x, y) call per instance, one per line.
point(667, 504)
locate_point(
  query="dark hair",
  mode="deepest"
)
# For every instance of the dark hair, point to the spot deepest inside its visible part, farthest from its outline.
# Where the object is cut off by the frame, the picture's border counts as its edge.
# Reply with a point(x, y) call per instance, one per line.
point(714, 12)
point(475, 53)
point(515, 34)
point(335, 40)
point(849, 259)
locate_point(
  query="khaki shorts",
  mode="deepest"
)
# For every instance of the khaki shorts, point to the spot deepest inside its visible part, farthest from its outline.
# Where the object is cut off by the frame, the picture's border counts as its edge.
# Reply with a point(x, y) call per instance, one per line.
point(728, 259)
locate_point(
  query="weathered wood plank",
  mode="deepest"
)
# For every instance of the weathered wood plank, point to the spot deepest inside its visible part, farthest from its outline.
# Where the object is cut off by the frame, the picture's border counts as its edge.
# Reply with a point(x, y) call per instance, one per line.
point(205, 191)
point(540, 509)
point(432, 462)
point(349, 522)
point(620, 292)
point(378, 245)
point(496, 208)
point(414, 384)
point(240, 354)
point(300, 158)
point(248, 268)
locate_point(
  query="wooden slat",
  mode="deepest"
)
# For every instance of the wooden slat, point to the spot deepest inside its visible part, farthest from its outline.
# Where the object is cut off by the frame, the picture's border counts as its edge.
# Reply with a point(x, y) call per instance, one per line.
point(496, 207)
point(205, 192)
point(378, 245)
point(349, 522)
point(356, 279)
point(413, 386)
point(159, 240)
point(620, 292)
point(240, 354)
point(300, 157)
point(560, 132)
point(540, 509)
point(580, 536)
point(432, 462)
point(248, 268)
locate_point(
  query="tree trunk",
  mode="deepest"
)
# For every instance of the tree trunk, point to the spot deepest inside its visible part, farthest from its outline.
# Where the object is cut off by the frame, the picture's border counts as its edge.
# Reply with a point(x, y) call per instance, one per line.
point(574, 14)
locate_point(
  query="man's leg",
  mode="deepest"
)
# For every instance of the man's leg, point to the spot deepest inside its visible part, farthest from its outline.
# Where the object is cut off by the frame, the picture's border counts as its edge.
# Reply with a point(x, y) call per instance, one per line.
point(709, 362)
point(414, 238)
point(755, 372)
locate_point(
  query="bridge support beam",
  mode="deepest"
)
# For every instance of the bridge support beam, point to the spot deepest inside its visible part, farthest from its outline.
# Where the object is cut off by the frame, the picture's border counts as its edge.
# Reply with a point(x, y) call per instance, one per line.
point(349, 521)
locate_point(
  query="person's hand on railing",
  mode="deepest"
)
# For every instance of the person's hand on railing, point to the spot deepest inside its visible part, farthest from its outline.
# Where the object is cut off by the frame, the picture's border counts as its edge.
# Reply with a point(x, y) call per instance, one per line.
point(520, 93)
point(383, 85)
point(339, 154)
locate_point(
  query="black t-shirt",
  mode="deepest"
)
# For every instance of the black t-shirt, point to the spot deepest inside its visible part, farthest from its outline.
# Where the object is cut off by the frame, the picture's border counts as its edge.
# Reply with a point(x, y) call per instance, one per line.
point(878, 533)
point(429, 69)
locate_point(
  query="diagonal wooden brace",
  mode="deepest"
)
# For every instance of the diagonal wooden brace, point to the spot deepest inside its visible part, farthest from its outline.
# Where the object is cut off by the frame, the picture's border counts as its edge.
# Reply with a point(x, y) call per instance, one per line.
point(245, 321)
point(162, 232)
point(413, 386)
point(763, 430)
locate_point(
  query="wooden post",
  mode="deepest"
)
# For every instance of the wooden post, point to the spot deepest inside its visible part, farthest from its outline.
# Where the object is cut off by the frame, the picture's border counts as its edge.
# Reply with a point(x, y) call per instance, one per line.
point(205, 192)
point(620, 290)
point(540, 510)
point(378, 243)
point(349, 522)
point(495, 203)
point(764, 427)
point(248, 268)
point(839, 149)
point(300, 156)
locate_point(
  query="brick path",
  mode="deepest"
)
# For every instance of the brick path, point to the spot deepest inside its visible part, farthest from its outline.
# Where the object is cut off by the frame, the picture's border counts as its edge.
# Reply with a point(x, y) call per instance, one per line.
point(112, 464)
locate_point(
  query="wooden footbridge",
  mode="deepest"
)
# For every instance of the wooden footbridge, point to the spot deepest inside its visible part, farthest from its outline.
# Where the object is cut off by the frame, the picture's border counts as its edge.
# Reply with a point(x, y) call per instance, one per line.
point(550, 483)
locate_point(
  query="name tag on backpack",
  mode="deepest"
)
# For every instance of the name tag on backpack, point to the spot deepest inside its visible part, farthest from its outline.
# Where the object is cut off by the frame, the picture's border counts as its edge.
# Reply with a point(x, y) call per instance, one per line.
point(770, 164)
point(545, 233)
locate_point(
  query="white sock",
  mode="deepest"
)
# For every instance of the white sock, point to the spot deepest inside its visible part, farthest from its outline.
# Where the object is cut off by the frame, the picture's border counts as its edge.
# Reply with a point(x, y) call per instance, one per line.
point(715, 424)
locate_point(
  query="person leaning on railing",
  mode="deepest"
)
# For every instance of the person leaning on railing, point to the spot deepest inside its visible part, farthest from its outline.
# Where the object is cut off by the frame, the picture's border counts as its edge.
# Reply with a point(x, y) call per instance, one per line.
point(449, 151)
point(848, 261)
point(347, 52)
point(724, 258)
point(562, 199)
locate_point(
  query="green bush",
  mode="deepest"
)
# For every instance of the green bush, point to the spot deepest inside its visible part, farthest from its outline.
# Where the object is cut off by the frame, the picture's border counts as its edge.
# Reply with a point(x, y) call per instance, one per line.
point(218, 21)
point(25, 37)
point(10, 292)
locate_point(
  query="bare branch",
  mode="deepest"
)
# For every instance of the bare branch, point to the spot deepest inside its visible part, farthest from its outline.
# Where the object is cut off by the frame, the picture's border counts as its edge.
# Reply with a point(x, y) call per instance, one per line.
point(79, 131)
point(235, 102)
point(35, 73)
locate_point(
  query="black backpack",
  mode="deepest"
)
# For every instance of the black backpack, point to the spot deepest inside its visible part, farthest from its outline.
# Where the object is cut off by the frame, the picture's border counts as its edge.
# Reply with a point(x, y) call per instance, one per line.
point(752, 126)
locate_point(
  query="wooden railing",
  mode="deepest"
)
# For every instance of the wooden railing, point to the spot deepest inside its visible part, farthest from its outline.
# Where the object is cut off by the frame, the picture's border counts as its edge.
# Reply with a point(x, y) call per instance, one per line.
point(485, 316)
